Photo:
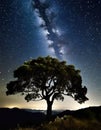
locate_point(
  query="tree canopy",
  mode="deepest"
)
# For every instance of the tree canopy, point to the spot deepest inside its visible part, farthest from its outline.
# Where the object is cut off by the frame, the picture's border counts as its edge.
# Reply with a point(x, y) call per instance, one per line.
point(47, 78)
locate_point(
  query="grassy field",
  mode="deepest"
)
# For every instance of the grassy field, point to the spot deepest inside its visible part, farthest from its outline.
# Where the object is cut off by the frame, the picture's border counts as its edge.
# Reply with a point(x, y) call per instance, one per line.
point(67, 123)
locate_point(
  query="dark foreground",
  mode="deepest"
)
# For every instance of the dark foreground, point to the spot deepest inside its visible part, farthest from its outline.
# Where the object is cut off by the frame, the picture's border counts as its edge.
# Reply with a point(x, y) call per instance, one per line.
point(20, 119)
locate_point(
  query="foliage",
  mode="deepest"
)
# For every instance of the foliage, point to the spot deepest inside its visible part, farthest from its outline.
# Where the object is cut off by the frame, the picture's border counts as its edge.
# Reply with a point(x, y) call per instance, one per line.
point(68, 123)
point(71, 123)
point(47, 78)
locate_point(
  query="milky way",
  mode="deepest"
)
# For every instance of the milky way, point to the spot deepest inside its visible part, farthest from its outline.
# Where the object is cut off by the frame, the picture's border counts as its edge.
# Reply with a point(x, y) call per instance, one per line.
point(67, 29)
point(54, 38)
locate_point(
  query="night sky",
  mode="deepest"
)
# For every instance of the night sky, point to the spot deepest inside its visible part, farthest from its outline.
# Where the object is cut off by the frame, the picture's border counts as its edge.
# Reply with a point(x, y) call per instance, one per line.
point(66, 29)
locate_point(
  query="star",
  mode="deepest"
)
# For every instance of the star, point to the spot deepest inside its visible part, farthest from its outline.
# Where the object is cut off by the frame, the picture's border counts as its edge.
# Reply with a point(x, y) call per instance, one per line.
point(69, 30)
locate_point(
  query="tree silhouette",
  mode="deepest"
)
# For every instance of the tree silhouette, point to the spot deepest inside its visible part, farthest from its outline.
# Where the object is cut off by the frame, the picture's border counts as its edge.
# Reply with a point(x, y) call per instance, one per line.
point(49, 79)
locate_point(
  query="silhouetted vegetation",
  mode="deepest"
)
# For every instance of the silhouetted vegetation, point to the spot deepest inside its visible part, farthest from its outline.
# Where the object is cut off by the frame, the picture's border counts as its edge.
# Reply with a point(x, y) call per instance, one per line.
point(47, 78)
point(71, 123)
point(86, 113)
point(20, 119)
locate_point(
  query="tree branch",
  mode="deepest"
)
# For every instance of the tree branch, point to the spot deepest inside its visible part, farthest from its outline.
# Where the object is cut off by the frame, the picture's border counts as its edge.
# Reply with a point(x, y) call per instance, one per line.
point(67, 94)
point(54, 96)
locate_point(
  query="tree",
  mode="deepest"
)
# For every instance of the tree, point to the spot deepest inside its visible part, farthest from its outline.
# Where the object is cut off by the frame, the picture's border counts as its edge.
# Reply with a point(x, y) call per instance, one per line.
point(49, 79)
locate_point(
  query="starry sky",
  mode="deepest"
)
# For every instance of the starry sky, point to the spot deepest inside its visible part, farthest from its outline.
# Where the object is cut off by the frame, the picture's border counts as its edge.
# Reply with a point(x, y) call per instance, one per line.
point(69, 30)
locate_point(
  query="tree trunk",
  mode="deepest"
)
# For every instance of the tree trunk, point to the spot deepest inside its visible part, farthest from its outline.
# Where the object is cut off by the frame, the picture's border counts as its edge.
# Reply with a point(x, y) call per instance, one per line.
point(49, 110)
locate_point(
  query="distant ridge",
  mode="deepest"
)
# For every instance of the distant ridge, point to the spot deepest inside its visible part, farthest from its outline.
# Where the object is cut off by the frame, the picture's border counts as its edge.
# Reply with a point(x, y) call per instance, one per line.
point(10, 118)
point(84, 113)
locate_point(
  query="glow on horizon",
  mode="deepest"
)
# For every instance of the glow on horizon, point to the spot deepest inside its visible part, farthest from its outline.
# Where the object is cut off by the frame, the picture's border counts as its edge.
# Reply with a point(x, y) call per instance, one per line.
point(57, 105)
point(68, 103)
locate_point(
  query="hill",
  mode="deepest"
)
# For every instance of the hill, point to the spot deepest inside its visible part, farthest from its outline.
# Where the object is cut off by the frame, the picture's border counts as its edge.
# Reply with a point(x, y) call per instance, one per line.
point(11, 118)
point(86, 113)
point(83, 119)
